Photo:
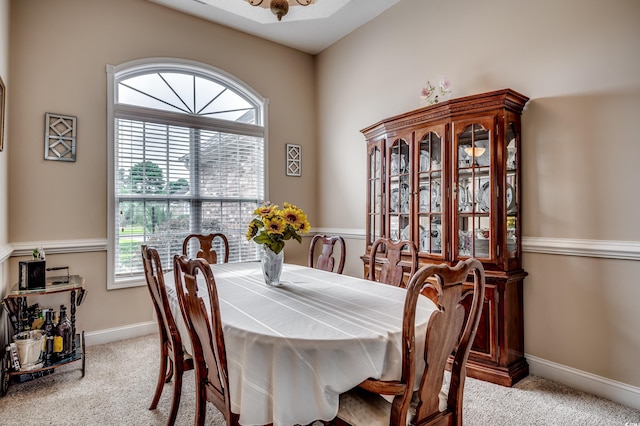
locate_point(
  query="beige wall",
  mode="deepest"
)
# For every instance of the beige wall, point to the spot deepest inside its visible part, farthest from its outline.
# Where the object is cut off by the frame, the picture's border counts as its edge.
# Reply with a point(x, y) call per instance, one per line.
point(59, 50)
point(579, 62)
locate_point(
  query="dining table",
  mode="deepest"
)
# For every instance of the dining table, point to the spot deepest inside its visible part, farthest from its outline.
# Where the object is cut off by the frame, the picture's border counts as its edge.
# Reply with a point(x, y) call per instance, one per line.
point(292, 349)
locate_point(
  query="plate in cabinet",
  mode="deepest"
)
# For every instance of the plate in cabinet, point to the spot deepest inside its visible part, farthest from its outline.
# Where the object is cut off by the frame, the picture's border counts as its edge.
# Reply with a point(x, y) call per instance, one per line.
point(399, 200)
point(511, 199)
point(484, 198)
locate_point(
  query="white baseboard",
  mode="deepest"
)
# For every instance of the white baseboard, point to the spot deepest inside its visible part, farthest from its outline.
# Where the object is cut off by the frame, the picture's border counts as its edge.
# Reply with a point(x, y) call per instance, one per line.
point(606, 388)
point(111, 335)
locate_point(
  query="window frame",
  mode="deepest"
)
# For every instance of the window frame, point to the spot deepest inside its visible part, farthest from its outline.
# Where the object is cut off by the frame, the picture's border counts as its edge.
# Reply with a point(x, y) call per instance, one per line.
point(145, 66)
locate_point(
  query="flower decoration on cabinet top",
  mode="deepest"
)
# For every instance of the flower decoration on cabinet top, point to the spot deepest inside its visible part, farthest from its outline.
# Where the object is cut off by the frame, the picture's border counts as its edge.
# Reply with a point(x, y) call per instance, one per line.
point(430, 94)
point(272, 226)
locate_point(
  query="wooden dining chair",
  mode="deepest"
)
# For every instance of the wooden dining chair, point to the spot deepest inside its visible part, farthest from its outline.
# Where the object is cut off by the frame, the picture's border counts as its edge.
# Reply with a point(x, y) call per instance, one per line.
point(326, 261)
point(450, 332)
point(173, 359)
point(386, 263)
point(212, 380)
point(206, 247)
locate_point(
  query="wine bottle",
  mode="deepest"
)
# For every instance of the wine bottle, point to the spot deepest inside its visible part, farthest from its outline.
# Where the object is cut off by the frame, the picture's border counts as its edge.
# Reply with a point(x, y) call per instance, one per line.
point(65, 332)
point(49, 327)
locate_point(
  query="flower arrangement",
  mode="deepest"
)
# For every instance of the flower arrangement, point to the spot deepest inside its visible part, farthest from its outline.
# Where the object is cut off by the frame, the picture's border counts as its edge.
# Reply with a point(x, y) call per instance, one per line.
point(272, 226)
point(429, 94)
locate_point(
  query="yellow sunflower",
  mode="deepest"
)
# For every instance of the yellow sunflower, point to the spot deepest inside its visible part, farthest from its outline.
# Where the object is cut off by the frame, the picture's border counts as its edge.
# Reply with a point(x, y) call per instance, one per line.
point(265, 210)
point(304, 226)
point(275, 225)
point(253, 230)
point(293, 215)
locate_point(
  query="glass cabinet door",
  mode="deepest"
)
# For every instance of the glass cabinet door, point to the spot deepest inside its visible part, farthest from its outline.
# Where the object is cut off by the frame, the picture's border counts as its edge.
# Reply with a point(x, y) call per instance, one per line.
point(399, 190)
point(511, 158)
point(474, 191)
point(429, 163)
point(374, 189)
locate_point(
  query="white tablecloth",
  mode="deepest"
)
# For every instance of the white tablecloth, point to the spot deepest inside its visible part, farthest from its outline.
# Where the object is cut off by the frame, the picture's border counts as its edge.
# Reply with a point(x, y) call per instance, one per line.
point(292, 349)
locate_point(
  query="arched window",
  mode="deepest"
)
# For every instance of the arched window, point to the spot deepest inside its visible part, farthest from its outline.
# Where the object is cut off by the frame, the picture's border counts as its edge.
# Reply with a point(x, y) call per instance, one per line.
point(187, 155)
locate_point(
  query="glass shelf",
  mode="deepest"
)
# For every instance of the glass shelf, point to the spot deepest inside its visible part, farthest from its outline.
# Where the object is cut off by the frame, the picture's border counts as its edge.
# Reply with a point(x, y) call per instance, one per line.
point(53, 285)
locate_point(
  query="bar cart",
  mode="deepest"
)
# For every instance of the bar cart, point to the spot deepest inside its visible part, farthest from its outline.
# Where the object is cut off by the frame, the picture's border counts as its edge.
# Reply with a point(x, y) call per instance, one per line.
point(15, 304)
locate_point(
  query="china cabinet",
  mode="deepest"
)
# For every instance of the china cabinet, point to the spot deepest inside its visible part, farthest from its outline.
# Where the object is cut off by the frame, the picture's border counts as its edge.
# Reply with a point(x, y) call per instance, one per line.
point(447, 177)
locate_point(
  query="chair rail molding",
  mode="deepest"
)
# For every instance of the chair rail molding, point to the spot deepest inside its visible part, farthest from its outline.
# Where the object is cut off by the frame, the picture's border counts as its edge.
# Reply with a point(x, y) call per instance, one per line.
point(60, 246)
point(608, 249)
point(5, 252)
point(351, 233)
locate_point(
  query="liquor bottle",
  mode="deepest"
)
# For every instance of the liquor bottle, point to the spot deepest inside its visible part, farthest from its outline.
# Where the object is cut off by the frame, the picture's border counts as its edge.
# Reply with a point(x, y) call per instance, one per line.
point(65, 332)
point(49, 327)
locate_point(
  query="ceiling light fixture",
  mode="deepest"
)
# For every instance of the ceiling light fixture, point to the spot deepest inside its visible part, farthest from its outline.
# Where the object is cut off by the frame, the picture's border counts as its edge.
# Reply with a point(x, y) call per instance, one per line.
point(475, 151)
point(279, 7)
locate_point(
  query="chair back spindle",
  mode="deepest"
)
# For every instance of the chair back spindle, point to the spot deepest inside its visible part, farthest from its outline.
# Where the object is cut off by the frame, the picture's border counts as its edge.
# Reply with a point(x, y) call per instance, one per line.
point(387, 264)
point(326, 260)
point(206, 248)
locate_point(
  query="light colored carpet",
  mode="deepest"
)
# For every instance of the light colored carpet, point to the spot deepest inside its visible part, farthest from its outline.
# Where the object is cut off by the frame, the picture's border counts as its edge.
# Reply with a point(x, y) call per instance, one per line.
point(120, 380)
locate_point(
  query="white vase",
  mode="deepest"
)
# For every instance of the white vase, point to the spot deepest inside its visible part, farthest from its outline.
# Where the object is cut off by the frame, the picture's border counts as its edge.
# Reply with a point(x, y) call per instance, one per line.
point(272, 266)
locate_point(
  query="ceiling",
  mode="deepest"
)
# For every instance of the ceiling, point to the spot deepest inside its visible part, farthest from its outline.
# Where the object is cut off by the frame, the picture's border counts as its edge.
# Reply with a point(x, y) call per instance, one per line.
point(310, 28)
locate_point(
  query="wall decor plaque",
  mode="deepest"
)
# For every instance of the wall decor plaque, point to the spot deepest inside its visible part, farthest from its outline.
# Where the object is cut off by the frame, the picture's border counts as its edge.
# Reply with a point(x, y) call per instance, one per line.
point(294, 160)
point(60, 137)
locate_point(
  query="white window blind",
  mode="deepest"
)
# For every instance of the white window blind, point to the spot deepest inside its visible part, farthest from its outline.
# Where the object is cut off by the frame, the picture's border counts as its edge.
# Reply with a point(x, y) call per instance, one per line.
point(178, 171)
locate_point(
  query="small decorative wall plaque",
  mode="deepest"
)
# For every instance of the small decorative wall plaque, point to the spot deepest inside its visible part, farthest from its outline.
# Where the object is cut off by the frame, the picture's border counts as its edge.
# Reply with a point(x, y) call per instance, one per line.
point(60, 137)
point(294, 160)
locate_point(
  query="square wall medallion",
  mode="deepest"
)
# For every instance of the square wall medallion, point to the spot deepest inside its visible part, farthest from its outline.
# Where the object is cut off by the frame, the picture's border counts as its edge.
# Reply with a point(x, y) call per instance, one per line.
point(294, 160)
point(60, 137)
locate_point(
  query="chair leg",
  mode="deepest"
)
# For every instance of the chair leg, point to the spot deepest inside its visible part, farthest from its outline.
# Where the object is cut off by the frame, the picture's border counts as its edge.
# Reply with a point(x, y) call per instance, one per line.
point(201, 405)
point(169, 375)
point(161, 379)
point(235, 419)
point(177, 391)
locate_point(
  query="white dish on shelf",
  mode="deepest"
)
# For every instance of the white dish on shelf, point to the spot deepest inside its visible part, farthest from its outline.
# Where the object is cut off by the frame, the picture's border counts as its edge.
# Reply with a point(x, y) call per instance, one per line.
point(402, 195)
point(465, 200)
point(511, 157)
point(511, 199)
point(425, 161)
point(436, 196)
point(393, 200)
point(404, 234)
point(484, 198)
point(425, 195)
